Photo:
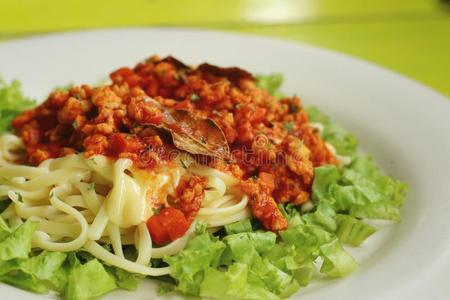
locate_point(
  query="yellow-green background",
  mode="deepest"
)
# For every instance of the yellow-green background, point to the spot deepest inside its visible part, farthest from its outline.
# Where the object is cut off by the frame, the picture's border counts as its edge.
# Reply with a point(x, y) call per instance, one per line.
point(409, 36)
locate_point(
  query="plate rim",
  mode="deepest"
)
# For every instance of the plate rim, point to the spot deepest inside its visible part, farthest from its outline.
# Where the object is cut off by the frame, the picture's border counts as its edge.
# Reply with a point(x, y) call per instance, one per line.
point(227, 33)
point(362, 63)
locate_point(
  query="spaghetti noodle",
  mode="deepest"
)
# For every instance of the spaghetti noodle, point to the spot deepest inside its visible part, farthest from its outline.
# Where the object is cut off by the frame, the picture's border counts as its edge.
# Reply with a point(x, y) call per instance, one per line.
point(84, 203)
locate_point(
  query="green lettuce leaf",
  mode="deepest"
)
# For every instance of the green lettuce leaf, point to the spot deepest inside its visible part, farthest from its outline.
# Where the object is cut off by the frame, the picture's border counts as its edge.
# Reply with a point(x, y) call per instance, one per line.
point(336, 262)
point(359, 190)
point(4, 229)
point(239, 266)
point(165, 288)
point(88, 281)
point(237, 227)
point(229, 283)
point(189, 266)
point(344, 142)
point(297, 263)
point(17, 244)
point(306, 238)
point(12, 102)
point(25, 281)
point(261, 241)
point(366, 177)
point(77, 276)
point(324, 177)
point(47, 267)
point(38, 273)
point(249, 249)
point(268, 276)
point(271, 83)
point(343, 197)
point(324, 216)
point(351, 230)
point(232, 284)
point(382, 210)
point(124, 280)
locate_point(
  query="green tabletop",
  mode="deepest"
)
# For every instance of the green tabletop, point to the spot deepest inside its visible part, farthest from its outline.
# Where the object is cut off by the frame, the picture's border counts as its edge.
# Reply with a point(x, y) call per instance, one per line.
point(409, 36)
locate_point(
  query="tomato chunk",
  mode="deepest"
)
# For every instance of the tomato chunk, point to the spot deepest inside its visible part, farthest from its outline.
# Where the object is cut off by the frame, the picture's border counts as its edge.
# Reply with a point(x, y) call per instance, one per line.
point(169, 225)
point(157, 231)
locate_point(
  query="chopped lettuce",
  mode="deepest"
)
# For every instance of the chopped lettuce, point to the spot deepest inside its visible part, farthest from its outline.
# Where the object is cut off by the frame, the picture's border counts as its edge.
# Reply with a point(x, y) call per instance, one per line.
point(237, 227)
point(324, 178)
point(359, 190)
point(292, 261)
point(16, 243)
point(232, 283)
point(47, 267)
point(351, 230)
point(189, 266)
point(306, 238)
point(336, 261)
point(233, 268)
point(75, 276)
point(255, 265)
point(261, 241)
point(313, 238)
point(24, 281)
point(15, 267)
point(344, 142)
point(125, 280)
point(271, 83)
point(12, 102)
point(88, 281)
point(165, 288)
point(324, 216)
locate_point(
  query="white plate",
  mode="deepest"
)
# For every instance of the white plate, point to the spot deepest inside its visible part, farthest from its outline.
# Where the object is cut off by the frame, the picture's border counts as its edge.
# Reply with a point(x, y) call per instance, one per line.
point(403, 124)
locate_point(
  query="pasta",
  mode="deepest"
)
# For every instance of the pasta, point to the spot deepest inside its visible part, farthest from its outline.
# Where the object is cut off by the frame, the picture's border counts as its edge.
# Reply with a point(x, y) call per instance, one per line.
point(85, 203)
point(205, 174)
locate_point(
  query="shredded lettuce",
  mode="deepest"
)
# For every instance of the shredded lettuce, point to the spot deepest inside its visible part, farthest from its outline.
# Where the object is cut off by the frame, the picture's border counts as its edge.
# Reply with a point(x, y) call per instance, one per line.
point(189, 266)
point(359, 190)
point(271, 83)
point(336, 261)
point(124, 280)
point(12, 102)
point(237, 227)
point(34, 274)
point(47, 267)
point(255, 265)
point(261, 241)
point(233, 268)
point(89, 280)
point(313, 238)
point(344, 142)
point(165, 288)
point(292, 261)
point(351, 230)
point(74, 276)
point(16, 243)
point(323, 216)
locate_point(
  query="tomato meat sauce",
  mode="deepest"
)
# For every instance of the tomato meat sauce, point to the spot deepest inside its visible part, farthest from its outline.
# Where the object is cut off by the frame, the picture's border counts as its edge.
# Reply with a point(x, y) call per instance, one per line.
point(273, 148)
